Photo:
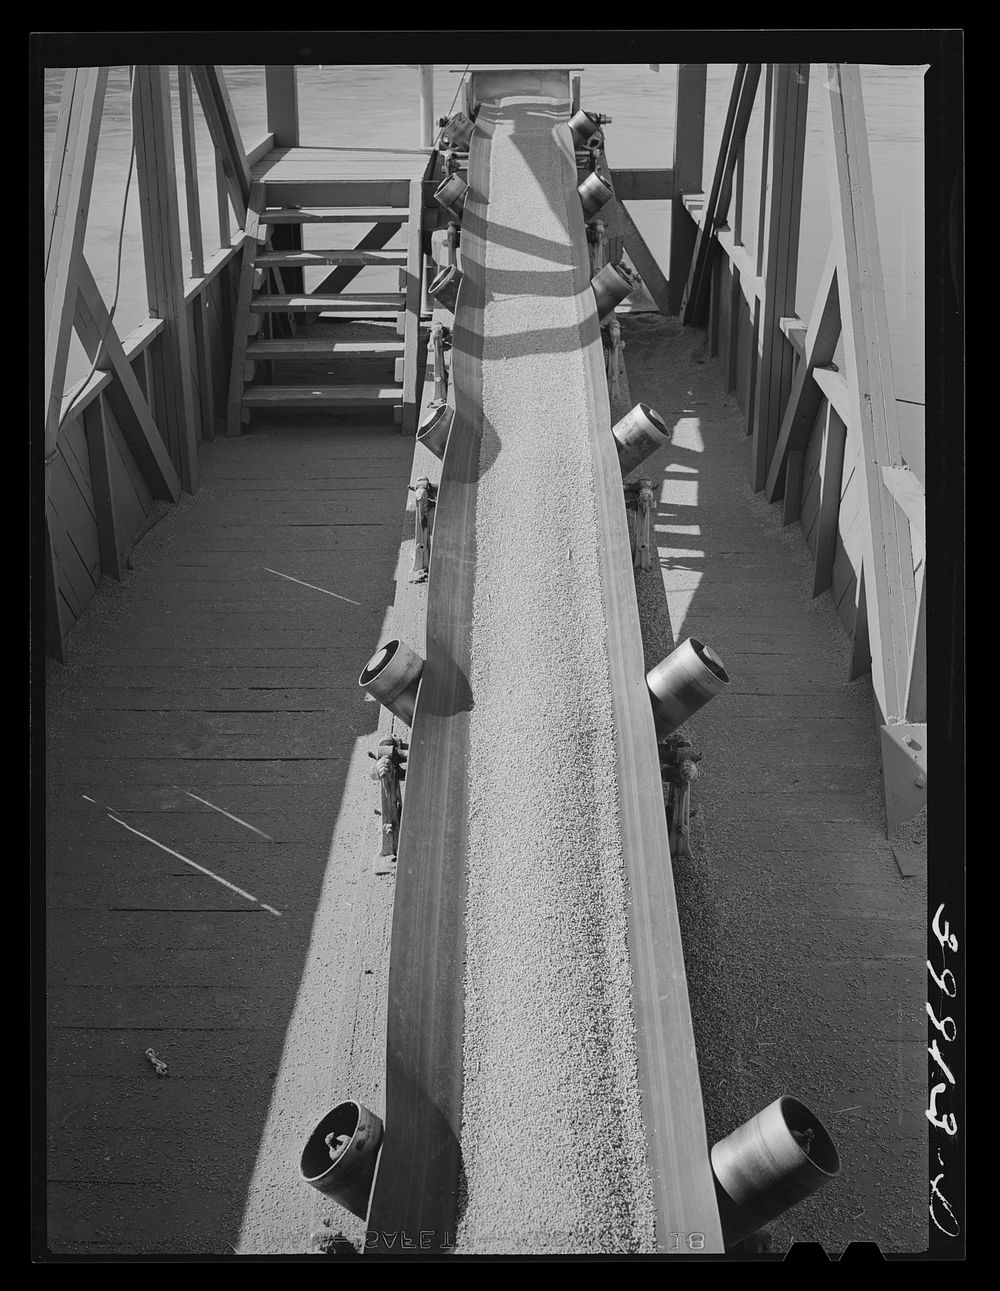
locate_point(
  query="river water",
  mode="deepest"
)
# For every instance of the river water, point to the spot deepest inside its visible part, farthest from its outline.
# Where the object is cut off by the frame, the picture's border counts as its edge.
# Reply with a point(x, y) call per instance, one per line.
point(376, 105)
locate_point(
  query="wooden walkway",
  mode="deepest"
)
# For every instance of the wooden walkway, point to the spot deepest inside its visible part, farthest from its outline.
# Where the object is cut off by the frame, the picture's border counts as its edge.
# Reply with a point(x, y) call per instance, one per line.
point(804, 945)
point(211, 680)
point(220, 677)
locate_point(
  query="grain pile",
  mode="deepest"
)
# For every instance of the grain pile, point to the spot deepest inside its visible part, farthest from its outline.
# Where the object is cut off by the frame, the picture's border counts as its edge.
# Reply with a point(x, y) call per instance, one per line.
point(552, 1140)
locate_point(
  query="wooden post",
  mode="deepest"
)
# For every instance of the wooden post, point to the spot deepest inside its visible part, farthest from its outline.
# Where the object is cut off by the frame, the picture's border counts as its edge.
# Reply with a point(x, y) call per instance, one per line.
point(411, 324)
point(282, 105)
point(777, 255)
point(222, 205)
point(185, 96)
point(751, 361)
point(793, 489)
point(714, 290)
point(736, 210)
point(125, 394)
point(741, 102)
point(831, 472)
point(235, 411)
point(804, 396)
point(764, 188)
point(689, 149)
point(426, 71)
point(206, 378)
point(916, 684)
point(283, 123)
point(67, 203)
point(735, 290)
point(55, 627)
point(161, 238)
point(108, 532)
point(888, 558)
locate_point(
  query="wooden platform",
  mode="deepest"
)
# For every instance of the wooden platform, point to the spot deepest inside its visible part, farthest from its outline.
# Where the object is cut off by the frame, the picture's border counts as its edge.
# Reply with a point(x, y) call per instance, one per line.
point(220, 677)
point(294, 164)
point(326, 177)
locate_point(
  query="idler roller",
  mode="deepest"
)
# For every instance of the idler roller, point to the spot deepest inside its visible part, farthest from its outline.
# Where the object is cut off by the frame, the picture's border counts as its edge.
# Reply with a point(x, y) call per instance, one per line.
point(444, 287)
point(595, 192)
point(682, 683)
point(339, 1158)
point(451, 194)
point(457, 130)
point(611, 285)
point(392, 676)
point(436, 427)
point(584, 125)
point(770, 1164)
point(639, 433)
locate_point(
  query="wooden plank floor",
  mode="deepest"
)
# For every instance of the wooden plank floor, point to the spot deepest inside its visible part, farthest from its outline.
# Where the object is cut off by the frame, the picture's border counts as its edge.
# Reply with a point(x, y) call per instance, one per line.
point(804, 945)
point(220, 677)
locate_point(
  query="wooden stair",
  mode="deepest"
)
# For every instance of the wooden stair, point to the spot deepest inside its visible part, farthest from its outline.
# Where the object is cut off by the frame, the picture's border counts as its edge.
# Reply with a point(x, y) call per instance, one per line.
point(348, 304)
point(306, 347)
point(335, 215)
point(300, 259)
point(268, 318)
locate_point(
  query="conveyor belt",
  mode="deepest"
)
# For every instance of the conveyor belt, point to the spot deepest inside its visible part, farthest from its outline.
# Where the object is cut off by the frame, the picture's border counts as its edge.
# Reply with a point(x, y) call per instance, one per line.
point(416, 1189)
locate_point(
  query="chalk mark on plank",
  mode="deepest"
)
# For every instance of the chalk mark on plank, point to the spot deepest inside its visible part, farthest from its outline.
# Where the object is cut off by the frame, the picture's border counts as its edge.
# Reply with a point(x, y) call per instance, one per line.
point(223, 812)
point(325, 590)
point(187, 861)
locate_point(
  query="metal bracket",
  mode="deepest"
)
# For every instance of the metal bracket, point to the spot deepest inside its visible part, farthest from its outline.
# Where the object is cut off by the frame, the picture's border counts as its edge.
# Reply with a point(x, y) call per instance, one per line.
point(679, 771)
point(425, 499)
point(614, 354)
point(389, 772)
point(455, 162)
point(596, 238)
point(642, 532)
point(440, 372)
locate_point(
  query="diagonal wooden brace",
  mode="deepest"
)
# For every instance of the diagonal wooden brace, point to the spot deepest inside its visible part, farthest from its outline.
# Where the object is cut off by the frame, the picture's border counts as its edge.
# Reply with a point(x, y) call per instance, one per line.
point(225, 131)
point(741, 100)
point(99, 338)
point(67, 205)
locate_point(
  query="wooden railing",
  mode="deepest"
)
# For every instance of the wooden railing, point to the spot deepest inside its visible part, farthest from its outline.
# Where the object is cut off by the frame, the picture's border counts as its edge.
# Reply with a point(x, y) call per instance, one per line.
point(825, 441)
point(127, 435)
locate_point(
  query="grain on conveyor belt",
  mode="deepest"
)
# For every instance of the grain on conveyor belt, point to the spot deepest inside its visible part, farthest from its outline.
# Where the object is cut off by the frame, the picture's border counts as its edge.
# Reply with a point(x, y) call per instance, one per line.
point(553, 1141)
